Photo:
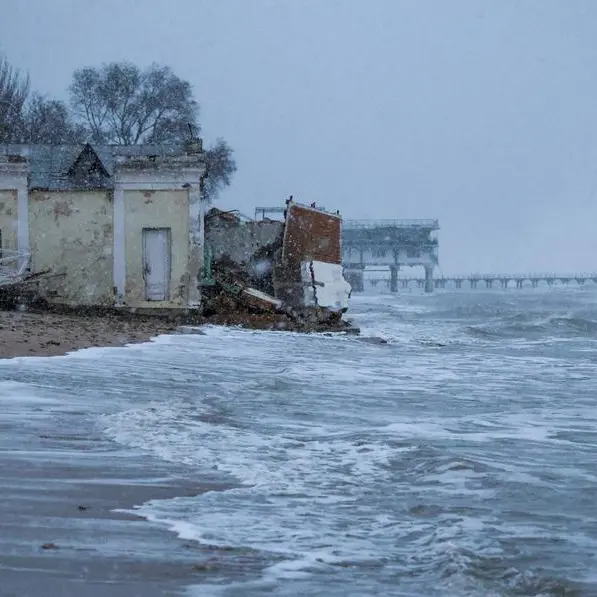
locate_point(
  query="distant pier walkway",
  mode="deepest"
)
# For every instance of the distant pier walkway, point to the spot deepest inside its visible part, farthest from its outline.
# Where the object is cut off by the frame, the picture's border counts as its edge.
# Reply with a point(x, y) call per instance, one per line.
point(490, 280)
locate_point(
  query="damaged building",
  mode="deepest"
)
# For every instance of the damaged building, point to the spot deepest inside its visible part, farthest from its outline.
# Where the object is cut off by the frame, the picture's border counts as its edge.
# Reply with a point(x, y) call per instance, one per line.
point(109, 226)
point(125, 227)
point(291, 266)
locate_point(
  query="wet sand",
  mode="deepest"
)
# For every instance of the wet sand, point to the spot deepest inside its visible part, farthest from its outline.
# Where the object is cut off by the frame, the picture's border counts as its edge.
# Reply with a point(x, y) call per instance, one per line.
point(59, 536)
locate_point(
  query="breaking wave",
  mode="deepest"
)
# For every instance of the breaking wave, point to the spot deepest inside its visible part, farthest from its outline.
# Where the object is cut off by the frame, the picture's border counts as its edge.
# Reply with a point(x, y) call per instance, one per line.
point(417, 460)
point(529, 326)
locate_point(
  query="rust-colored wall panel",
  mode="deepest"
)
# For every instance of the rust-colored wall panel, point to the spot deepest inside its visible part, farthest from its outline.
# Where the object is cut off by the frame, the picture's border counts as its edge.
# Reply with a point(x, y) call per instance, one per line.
point(311, 235)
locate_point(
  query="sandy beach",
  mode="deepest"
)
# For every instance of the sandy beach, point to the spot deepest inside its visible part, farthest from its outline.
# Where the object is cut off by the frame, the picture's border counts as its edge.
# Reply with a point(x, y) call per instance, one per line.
point(44, 333)
point(50, 334)
point(62, 482)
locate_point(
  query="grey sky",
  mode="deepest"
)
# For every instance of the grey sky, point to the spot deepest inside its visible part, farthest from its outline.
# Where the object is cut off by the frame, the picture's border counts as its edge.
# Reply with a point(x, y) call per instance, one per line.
point(481, 113)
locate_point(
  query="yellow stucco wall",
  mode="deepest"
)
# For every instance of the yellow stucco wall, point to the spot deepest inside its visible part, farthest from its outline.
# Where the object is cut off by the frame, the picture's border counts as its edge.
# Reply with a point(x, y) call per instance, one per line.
point(8, 219)
point(71, 233)
point(156, 209)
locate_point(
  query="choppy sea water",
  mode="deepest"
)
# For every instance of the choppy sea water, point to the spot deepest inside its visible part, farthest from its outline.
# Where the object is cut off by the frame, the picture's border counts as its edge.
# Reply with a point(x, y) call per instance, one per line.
point(450, 450)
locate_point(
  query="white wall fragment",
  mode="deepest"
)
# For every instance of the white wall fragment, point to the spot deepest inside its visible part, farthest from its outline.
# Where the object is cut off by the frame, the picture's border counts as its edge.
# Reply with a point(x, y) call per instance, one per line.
point(324, 285)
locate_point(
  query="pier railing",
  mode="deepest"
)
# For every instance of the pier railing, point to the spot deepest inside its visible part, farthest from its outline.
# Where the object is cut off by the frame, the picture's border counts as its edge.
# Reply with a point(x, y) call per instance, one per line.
point(543, 277)
point(480, 280)
point(369, 224)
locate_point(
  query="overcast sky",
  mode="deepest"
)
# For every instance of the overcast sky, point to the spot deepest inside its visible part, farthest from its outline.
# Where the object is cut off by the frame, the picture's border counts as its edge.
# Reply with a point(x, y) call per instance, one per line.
point(481, 113)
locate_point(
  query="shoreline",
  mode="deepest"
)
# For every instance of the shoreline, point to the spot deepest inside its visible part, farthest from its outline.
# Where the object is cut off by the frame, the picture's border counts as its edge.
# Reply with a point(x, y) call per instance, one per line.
point(49, 333)
point(68, 497)
point(64, 531)
point(68, 492)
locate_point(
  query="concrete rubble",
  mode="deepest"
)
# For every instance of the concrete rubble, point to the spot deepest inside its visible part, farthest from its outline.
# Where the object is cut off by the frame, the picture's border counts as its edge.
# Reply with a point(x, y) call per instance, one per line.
point(288, 273)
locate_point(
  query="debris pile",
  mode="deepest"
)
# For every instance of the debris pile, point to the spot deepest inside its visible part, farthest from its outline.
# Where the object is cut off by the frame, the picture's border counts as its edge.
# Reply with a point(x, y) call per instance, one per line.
point(17, 283)
point(275, 274)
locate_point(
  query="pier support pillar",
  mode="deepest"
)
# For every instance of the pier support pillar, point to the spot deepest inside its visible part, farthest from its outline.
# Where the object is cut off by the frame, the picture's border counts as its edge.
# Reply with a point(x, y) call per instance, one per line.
point(428, 278)
point(394, 278)
point(356, 279)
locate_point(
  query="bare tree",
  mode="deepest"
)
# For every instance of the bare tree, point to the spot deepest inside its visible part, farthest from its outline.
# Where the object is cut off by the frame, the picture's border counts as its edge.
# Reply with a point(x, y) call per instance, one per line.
point(120, 104)
point(47, 121)
point(14, 90)
point(220, 168)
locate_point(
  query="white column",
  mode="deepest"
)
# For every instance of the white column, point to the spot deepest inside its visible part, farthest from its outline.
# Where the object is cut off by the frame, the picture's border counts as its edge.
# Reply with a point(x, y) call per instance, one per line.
point(195, 245)
point(23, 220)
point(119, 245)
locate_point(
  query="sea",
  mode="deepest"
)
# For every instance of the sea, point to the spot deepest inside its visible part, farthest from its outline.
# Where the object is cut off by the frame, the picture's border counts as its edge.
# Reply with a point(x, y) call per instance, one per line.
point(449, 450)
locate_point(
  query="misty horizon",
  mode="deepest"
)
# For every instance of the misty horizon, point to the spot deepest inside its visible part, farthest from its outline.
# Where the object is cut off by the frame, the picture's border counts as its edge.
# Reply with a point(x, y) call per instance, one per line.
point(477, 113)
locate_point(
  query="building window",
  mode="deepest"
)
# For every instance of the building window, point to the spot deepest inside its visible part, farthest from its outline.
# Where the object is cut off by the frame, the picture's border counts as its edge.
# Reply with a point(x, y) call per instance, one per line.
point(413, 253)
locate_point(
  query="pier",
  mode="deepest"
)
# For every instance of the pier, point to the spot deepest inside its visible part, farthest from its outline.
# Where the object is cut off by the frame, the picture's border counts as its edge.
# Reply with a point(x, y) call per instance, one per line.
point(486, 281)
point(391, 244)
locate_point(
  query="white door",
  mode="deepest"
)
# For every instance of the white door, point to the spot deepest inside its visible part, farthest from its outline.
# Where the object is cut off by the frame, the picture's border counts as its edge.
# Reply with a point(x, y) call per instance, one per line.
point(156, 263)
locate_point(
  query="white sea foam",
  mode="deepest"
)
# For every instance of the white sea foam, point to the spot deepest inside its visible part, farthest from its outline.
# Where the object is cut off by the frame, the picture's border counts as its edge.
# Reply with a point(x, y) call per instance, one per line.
point(299, 481)
point(353, 459)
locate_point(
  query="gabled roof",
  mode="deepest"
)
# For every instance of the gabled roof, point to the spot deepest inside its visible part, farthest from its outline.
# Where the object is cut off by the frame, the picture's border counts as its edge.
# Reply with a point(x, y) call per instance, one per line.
point(87, 159)
point(88, 170)
point(57, 167)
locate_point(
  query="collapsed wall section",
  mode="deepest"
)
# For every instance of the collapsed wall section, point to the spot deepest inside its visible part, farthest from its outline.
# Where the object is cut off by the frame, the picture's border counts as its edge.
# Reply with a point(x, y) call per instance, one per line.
point(292, 268)
point(243, 251)
point(309, 272)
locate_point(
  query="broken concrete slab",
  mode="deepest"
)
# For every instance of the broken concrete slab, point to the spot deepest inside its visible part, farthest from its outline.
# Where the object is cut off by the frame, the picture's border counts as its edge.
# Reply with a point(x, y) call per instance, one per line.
point(325, 285)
